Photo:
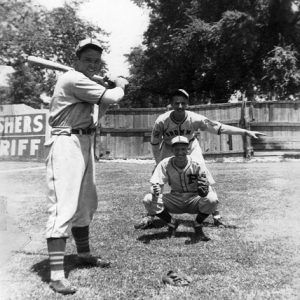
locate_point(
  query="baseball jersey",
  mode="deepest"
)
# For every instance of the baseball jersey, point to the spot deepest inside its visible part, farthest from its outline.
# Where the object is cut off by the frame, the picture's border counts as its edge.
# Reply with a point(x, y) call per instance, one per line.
point(180, 180)
point(72, 104)
point(166, 127)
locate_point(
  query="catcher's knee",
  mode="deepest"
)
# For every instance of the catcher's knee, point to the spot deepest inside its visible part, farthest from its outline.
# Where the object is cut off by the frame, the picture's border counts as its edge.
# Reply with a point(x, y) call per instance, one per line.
point(212, 197)
point(148, 199)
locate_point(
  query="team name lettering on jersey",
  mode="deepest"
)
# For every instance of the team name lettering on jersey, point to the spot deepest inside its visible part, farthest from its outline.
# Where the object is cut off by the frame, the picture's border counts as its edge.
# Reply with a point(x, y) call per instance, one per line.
point(192, 178)
point(175, 132)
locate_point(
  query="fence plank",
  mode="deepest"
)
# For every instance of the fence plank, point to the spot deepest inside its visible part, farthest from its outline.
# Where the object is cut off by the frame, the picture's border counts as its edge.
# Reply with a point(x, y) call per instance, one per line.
point(129, 130)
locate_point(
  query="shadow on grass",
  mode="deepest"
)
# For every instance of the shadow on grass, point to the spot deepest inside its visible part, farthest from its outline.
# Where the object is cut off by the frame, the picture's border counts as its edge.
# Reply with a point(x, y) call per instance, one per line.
point(157, 223)
point(147, 238)
point(70, 263)
point(229, 226)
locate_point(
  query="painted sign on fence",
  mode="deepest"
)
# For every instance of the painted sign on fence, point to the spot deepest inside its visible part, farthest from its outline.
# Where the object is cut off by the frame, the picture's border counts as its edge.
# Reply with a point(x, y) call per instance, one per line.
point(22, 135)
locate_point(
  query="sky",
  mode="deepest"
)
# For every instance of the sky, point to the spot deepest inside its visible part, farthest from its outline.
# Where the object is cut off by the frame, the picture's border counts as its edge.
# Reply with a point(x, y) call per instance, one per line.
point(125, 22)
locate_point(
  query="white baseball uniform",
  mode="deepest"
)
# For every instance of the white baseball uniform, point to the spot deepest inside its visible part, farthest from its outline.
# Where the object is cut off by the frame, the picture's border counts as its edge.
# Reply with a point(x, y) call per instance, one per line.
point(72, 197)
point(183, 197)
point(166, 127)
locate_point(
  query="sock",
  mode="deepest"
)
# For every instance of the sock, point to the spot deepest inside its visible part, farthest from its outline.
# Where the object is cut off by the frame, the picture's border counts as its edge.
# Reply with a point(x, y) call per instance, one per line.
point(200, 218)
point(216, 215)
point(56, 250)
point(81, 237)
point(164, 215)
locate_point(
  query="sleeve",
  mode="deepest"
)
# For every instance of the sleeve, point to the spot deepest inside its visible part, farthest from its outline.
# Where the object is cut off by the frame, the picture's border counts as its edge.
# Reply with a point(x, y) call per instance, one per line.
point(87, 90)
point(160, 174)
point(205, 124)
point(156, 134)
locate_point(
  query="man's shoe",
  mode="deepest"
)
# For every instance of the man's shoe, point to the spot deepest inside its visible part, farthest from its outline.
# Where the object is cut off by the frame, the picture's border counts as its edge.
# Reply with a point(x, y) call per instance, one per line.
point(144, 223)
point(218, 222)
point(172, 227)
point(62, 286)
point(199, 236)
point(93, 261)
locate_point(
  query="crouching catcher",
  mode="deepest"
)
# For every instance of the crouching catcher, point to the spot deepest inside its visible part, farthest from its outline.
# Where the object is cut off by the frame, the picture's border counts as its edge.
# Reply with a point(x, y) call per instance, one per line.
point(190, 191)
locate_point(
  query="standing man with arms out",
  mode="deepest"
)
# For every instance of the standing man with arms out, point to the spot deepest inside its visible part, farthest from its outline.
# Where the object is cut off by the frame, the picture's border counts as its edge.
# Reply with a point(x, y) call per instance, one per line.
point(180, 121)
point(71, 193)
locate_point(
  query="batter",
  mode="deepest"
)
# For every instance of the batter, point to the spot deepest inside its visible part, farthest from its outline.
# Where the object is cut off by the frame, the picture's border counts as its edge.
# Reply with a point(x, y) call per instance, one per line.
point(72, 197)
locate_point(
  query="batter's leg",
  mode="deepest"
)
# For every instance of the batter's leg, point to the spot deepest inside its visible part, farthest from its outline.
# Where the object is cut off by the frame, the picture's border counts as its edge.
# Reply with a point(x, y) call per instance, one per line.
point(87, 205)
point(58, 282)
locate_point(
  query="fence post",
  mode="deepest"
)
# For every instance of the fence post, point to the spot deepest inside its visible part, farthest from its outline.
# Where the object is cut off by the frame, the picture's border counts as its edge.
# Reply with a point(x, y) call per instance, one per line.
point(244, 123)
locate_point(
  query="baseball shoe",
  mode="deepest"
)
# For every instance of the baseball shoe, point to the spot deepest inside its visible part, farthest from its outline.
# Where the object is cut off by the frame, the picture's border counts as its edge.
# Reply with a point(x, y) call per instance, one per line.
point(93, 261)
point(144, 223)
point(199, 236)
point(172, 227)
point(62, 286)
point(219, 222)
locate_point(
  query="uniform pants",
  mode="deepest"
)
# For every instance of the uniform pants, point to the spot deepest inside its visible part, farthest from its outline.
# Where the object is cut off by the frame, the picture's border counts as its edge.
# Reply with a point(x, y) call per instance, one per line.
point(180, 203)
point(71, 190)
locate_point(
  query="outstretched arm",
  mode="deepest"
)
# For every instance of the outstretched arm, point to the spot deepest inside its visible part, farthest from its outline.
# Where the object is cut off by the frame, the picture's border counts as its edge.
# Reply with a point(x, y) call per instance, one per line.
point(219, 128)
point(232, 130)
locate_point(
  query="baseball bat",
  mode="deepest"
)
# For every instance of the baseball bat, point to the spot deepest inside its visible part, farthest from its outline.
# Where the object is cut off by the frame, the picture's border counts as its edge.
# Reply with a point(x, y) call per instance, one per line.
point(48, 64)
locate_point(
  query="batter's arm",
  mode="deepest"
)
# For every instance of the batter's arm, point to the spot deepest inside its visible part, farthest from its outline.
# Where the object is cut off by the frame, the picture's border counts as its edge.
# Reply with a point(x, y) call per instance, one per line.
point(114, 95)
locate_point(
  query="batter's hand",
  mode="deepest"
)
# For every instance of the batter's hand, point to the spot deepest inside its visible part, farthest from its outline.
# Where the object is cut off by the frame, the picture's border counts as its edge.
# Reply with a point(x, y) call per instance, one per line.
point(121, 82)
point(254, 134)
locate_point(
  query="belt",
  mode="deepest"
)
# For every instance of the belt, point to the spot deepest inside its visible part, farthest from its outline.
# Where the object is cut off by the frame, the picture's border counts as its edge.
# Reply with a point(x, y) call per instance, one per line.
point(83, 131)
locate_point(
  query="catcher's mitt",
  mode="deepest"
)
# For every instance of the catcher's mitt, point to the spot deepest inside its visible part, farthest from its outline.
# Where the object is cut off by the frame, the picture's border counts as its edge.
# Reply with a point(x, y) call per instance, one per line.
point(202, 185)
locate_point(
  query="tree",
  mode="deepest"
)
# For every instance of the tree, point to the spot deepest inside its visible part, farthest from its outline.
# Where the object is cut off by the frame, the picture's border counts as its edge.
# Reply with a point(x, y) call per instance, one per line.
point(28, 29)
point(281, 74)
point(212, 47)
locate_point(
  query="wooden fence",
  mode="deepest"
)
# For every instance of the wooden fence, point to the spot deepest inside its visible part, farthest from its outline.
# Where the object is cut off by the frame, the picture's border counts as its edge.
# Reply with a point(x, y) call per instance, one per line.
point(125, 133)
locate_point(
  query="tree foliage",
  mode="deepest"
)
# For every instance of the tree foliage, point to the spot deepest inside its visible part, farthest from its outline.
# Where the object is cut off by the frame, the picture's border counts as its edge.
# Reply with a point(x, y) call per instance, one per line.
point(212, 47)
point(281, 73)
point(28, 29)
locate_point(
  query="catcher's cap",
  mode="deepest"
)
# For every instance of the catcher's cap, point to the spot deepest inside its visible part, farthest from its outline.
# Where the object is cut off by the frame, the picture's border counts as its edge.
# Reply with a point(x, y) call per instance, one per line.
point(179, 140)
point(180, 92)
point(89, 42)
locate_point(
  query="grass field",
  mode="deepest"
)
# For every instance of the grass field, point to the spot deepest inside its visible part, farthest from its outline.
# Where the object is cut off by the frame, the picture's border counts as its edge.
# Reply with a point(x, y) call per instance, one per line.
point(258, 257)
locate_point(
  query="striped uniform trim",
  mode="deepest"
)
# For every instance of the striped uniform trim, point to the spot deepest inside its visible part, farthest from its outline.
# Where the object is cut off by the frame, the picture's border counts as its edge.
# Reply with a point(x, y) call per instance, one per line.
point(56, 259)
point(56, 252)
point(82, 244)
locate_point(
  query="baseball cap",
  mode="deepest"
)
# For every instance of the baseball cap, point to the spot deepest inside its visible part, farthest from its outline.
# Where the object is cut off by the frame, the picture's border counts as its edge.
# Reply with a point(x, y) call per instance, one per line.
point(88, 42)
point(180, 92)
point(179, 140)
